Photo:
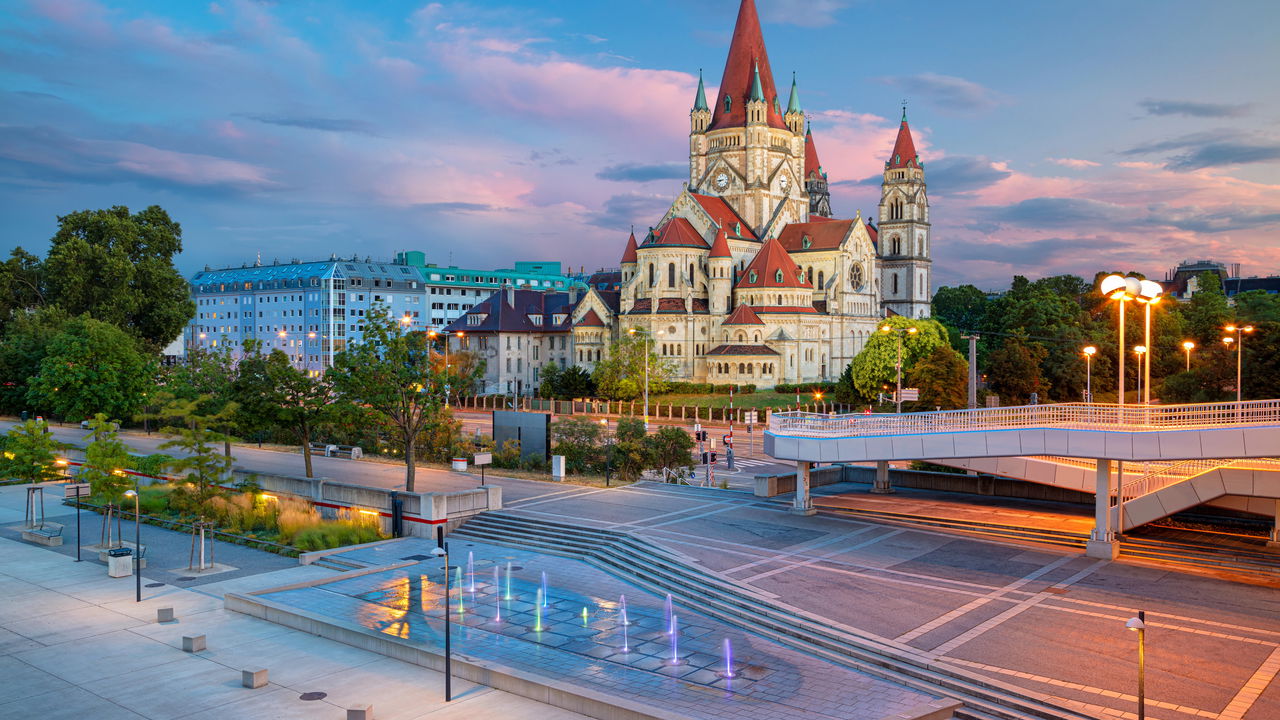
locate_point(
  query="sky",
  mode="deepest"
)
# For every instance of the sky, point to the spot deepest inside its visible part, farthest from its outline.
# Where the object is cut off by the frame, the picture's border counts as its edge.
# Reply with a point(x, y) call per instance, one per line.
point(1066, 137)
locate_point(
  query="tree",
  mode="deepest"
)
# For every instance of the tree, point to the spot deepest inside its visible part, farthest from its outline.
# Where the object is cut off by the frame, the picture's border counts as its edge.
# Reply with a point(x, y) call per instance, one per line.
point(670, 447)
point(963, 308)
point(299, 401)
point(620, 375)
point(118, 268)
point(23, 345)
point(1014, 370)
point(1256, 306)
point(1208, 311)
point(565, 383)
point(200, 463)
point(209, 376)
point(578, 440)
point(105, 460)
point(390, 371)
point(876, 366)
point(631, 454)
point(91, 367)
point(942, 377)
point(21, 285)
point(30, 453)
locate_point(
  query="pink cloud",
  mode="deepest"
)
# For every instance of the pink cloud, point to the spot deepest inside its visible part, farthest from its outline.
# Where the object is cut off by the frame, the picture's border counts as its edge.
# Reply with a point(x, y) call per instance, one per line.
point(185, 168)
point(1073, 162)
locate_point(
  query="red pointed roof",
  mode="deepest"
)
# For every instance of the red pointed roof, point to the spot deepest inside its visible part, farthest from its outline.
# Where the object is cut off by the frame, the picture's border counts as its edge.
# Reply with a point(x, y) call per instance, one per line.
point(904, 150)
point(591, 319)
point(725, 216)
point(821, 235)
point(720, 248)
point(743, 315)
point(772, 268)
point(676, 231)
point(812, 165)
point(746, 51)
point(629, 255)
point(874, 233)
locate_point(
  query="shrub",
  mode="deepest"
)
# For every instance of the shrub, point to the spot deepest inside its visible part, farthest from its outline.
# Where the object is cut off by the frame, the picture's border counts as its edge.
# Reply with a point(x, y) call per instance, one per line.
point(153, 464)
point(670, 447)
point(805, 388)
point(508, 457)
point(692, 388)
point(578, 440)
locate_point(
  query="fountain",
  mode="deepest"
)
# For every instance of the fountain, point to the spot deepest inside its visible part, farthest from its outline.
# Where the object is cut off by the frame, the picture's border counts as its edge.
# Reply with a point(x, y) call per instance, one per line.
point(584, 616)
point(675, 642)
point(471, 572)
point(728, 661)
point(508, 581)
point(545, 599)
point(497, 597)
point(667, 614)
point(537, 613)
point(622, 605)
point(626, 641)
point(458, 581)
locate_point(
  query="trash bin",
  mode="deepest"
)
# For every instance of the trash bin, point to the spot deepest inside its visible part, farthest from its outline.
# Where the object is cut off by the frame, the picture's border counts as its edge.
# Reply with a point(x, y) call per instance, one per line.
point(120, 562)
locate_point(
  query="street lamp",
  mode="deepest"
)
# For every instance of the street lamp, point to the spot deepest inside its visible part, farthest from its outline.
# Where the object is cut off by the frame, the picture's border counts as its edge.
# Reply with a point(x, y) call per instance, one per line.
point(1148, 294)
point(1121, 289)
point(443, 551)
point(1188, 346)
point(1139, 625)
point(1240, 332)
point(899, 332)
point(137, 544)
point(608, 455)
point(817, 397)
point(648, 348)
point(1141, 352)
point(1089, 352)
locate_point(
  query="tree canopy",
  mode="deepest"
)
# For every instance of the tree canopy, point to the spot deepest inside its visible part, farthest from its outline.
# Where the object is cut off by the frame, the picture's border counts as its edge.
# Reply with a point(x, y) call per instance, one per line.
point(875, 367)
point(91, 367)
point(621, 374)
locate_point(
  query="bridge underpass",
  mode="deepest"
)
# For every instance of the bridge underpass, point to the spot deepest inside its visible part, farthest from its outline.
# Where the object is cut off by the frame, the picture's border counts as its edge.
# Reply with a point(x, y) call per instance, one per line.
point(1140, 462)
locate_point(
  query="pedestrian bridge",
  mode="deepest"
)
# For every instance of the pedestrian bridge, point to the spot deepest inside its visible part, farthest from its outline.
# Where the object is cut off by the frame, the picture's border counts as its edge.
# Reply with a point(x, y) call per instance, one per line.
point(1142, 462)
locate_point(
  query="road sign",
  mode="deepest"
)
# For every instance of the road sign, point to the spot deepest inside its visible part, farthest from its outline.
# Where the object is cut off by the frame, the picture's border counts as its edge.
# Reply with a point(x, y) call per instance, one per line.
point(910, 394)
point(75, 490)
point(752, 417)
point(482, 458)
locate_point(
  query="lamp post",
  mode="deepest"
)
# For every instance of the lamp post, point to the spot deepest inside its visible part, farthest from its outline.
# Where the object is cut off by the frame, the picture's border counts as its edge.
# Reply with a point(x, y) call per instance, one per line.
point(1238, 340)
point(137, 545)
point(1148, 294)
point(1187, 347)
point(1121, 289)
point(1141, 352)
point(1139, 624)
point(1089, 352)
point(899, 332)
point(443, 551)
point(648, 348)
point(608, 455)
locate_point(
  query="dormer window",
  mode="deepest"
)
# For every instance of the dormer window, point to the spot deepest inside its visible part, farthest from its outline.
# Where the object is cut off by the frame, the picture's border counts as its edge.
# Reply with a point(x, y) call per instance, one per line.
point(777, 276)
point(475, 319)
point(728, 103)
point(805, 242)
point(558, 319)
point(737, 229)
point(751, 277)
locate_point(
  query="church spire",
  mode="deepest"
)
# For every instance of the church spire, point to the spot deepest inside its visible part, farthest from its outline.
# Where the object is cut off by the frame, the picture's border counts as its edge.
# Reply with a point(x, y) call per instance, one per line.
point(700, 101)
point(904, 148)
point(747, 58)
point(757, 93)
point(795, 116)
point(793, 105)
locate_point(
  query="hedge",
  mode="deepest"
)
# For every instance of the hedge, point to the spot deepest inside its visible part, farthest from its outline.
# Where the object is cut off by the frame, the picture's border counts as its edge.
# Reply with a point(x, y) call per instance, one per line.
point(692, 388)
point(805, 388)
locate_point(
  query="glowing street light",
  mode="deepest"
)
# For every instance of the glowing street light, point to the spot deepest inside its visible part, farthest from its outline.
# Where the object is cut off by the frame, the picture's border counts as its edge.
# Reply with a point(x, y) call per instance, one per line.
point(1187, 347)
point(1148, 294)
point(899, 332)
point(1089, 352)
point(1121, 289)
point(1141, 352)
point(1238, 340)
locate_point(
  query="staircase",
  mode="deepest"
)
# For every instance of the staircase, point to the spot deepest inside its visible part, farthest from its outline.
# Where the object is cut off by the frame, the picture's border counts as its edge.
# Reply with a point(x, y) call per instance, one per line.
point(660, 571)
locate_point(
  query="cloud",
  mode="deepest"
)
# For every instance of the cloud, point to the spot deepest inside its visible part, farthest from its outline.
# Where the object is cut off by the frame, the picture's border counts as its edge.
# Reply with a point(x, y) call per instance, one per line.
point(639, 209)
point(1191, 108)
point(1029, 253)
point(640, 172)
point(804, 13)
point(341, 125)
point(1214, 148)
point(962, 174)
point(948, 92)
point(1056, 212)
point(1073, 162)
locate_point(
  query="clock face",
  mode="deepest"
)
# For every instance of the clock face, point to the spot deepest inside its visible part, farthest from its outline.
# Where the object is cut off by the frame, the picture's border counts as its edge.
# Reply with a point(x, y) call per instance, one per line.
point(722, 181)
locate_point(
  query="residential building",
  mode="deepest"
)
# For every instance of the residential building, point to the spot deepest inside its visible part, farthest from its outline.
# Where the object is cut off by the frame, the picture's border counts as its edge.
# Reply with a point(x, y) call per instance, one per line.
point(517, 332)
point(452, 290)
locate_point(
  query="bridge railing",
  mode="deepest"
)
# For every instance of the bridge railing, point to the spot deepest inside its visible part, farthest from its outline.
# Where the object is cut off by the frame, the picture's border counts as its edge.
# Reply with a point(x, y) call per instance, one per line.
point(1081, 416)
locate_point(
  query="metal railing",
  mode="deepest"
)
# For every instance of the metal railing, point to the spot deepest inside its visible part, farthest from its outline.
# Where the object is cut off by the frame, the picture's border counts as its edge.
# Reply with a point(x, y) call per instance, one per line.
point(1071, 416)
point(1159, 478)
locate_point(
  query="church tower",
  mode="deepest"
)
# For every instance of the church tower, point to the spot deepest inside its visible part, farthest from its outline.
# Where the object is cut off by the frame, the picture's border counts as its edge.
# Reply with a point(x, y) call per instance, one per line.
point(743, 146)
point(815, 179)
point(904, 240)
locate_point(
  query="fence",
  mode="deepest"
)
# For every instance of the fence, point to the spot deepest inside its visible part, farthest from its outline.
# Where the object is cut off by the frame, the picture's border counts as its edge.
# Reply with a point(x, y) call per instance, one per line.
point(635, 408)
point(1075, 416)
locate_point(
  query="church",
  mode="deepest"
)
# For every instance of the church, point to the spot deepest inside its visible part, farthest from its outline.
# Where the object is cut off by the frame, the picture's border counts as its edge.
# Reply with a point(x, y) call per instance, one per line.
point(748, 277)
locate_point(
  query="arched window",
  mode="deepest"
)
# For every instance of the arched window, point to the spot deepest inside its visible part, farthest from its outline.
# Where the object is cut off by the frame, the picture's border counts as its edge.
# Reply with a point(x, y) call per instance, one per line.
point(820, 277)
point(742, 337)
point(809, 273)
point(690, 273)
point(742, 368)
point(671, 274)
point(651, 278)
point(728, 103)
point(895, 283)
point(757, 338)
point(897, 246)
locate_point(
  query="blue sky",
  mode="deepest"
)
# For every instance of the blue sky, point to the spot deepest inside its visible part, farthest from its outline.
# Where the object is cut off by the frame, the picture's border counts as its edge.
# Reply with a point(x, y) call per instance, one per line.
point(1057, 137)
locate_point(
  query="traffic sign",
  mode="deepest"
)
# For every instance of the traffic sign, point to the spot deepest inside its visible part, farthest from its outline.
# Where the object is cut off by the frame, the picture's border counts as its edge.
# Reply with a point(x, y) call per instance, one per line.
point(484, 458)
point(910, 394)
point(75, 490)
point(752, 417)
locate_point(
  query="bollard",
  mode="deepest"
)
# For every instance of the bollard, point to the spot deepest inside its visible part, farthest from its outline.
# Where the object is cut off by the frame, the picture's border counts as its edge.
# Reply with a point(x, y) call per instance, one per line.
point(193, 643)
point(164, 615)
point(254, 678)
point(360, 712)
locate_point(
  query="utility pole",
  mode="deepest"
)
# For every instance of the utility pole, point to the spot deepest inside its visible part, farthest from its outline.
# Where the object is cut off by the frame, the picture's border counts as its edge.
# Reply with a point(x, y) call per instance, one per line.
point(973, 369)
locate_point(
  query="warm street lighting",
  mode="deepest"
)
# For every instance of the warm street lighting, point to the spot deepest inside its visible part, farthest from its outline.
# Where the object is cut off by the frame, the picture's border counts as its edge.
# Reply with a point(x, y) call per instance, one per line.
point(899, 332)
point(1141, 352)
point(1240, 332)
point(1139, 625)
point(311, 335)
point(1187, 347)
point(406, 319)
point(648, 348)
point(1121, 289)
point(137, 544)
point(1089, 352)
point(1148, 294)
point(442, 550)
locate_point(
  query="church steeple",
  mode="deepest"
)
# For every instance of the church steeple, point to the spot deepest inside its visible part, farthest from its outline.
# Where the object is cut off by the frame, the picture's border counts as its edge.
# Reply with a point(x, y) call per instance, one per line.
point(747, 60)
point(700, 115)
point(795, 116)
point(793, 105)
point(815, 179)
point(700, 100)
point(904, 148)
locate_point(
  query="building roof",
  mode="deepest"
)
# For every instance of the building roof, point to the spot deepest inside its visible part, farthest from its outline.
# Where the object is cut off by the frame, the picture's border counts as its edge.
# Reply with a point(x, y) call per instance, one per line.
point(700, 100)
point(742, 350)
point(720, 248)
point(772, 268)
point(725, 216)
point(812, 165)
point(629, 254)
point(591, 319)
point(793, 103)
point(743, 315)
point(874, 234)
point(611, 298)
point(904, 149)
point(677, 232)
point(499, 315)
point(746, 54)
point(825, 234)
point(605, 280)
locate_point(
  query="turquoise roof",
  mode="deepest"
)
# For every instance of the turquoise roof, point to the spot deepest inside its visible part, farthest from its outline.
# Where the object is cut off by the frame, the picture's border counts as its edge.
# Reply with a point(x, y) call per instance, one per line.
point(700, 101)
point(793, 105)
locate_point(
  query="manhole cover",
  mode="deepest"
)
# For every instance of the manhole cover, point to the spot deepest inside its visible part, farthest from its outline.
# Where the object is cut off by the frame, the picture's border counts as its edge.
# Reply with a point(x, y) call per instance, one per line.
point(418, 558)
point(186, 578)
point(516, 567)
point(313, 696)
point(155, 584)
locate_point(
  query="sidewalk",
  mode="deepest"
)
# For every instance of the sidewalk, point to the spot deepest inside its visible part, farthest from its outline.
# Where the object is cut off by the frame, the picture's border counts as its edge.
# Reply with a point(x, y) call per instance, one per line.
point(75, 645)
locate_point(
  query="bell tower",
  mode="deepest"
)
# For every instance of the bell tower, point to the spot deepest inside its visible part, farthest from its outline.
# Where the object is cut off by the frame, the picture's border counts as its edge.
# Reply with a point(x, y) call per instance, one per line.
point(906, 267)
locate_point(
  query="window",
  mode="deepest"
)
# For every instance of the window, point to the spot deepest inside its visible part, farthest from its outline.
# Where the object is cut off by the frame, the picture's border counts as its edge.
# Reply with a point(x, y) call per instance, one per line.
point(728, 103)
point(650, 274)
point(752, 277)
point(671, 274)
point(777, 275)
point(820, 277)
point(895, 283)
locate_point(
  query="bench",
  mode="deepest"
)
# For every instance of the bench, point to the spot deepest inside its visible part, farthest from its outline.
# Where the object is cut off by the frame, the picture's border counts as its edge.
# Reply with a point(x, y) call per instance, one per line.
point(48, 534)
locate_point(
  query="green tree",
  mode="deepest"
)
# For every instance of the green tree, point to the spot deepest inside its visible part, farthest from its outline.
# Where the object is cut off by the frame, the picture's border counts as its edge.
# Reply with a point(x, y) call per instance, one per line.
point(631, 454)
point(565, 383)
point(943, 379)
point(1014, 371)
point(961, 309)
point(118, 268)
point(876, 366)
point(21, 285)
point(390, 372)
point(670, 447)
point(549, 387)
point(105, 460)
point(209, 376)
point(1208, 310)
point(200, 462)
point(23, 345)
point(620, 375)
point(299, 402)
point(578, 440)
point(30, 453)
point(91, 367)
point(1257, 306)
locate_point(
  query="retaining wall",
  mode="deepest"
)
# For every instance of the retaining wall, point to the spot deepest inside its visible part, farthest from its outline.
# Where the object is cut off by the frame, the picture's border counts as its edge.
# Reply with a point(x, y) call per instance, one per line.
point(773, 485)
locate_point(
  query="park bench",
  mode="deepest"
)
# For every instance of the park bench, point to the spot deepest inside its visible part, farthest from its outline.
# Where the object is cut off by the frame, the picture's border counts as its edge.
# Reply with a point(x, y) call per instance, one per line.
point(348, 451)
point(49, 534)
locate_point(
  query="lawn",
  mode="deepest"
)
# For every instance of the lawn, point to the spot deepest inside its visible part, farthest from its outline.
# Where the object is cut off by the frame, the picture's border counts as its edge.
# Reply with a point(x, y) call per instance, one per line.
point(765, 399)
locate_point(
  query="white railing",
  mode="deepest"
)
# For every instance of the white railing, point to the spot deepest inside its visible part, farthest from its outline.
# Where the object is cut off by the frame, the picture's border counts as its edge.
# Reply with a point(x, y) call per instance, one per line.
point(1072, 416)
point(1158, 478)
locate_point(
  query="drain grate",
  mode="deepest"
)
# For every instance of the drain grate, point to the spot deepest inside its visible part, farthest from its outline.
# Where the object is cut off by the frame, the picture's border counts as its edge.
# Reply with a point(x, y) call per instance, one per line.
point(313, 696)
point(418, 558)
point(186, 578)
point(155, 584)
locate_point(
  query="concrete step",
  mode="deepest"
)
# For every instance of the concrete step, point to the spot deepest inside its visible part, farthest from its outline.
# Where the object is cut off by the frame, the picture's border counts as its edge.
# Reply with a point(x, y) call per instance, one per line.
point(662, 572)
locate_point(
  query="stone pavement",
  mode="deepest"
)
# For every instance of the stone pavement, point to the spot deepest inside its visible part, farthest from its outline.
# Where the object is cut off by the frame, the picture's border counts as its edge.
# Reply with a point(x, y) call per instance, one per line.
point(75, 645)
point(578, 636)
point(1048, 620)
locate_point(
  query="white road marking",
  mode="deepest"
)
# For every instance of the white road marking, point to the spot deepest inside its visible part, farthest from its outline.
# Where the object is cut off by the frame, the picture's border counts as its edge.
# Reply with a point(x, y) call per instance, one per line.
point(1248, 694)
